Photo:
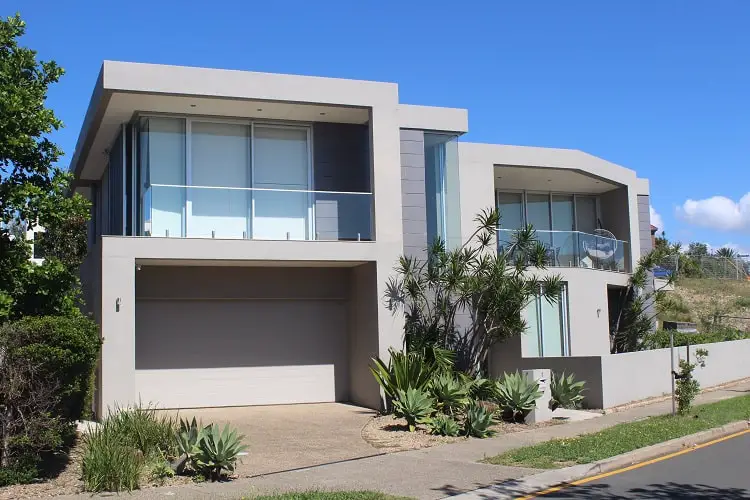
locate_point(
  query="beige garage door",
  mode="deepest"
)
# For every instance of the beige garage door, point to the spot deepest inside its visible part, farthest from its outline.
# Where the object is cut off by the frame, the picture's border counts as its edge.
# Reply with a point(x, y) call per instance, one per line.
point(198, 353)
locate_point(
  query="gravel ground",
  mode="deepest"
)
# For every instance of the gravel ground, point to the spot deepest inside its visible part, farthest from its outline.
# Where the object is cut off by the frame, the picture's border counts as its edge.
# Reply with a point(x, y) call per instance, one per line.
point(68, 482)
point(390, 434)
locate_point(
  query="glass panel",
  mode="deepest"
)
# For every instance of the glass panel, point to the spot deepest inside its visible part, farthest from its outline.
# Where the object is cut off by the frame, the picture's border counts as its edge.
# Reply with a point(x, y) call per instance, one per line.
point(586, 214)
point(220, 154)
point(537, 214)
point(281, 161)
point(510, 206)
point(340, 216)
point(163, 162)
point(563, 240)
point(530, 338)
point(452, 195)
point(434, 159)
point(552, 329)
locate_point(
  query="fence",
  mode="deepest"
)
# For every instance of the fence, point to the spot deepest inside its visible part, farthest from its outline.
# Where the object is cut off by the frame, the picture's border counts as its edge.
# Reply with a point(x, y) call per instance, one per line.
point(706, 266)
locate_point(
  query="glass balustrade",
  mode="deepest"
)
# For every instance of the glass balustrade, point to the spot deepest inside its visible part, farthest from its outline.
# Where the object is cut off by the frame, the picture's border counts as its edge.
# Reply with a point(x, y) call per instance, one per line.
point(255, 213)
point(576, 249)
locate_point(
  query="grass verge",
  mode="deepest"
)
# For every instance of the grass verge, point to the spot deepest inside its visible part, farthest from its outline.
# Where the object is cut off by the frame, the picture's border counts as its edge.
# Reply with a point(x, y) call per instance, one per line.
point(626, 437)
point(329, 495)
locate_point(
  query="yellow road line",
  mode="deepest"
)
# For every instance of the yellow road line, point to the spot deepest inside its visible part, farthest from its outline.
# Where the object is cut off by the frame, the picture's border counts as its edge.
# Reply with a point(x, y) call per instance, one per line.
point(632, 467)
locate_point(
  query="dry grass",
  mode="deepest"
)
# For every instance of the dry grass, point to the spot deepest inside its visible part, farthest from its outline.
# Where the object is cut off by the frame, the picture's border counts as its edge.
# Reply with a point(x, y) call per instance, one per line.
point(708, 298)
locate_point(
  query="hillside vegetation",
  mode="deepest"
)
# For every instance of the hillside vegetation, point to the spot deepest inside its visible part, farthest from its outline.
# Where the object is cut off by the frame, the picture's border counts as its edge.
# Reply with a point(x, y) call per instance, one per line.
point(711, 303)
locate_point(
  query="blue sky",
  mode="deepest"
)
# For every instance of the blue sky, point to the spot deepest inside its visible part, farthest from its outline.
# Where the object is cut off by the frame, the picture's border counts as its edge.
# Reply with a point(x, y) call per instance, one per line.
point(660, 87)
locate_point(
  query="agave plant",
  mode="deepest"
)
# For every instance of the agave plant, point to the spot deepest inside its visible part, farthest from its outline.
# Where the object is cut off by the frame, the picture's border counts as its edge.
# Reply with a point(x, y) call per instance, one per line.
point(217, 451)
point(405, 370)
point(516, 396)
point(443, 425)
point(188, 437)
point(566, 392)
point(450, 394)
point(413, 405)
point(478, 421)
point(479, 388)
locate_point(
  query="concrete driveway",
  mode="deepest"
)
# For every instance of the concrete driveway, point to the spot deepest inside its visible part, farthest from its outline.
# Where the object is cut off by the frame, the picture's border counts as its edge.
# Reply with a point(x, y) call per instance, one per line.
point(288, 437)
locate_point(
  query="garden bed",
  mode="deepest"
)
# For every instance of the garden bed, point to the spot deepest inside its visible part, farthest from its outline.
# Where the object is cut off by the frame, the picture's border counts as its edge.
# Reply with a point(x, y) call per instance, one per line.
point(390, 434)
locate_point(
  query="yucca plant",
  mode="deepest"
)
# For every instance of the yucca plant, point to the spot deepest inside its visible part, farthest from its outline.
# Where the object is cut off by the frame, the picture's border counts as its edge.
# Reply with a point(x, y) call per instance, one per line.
point(413, 405)
point(478, 421)
point(566, 392)
point(516, 395)
point(451, 394)
point(217, 451)
point(405, 370)
point(443, 425)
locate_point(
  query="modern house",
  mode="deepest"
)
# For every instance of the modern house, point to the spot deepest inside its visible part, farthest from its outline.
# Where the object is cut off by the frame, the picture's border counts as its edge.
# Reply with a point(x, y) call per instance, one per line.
point(244, 226)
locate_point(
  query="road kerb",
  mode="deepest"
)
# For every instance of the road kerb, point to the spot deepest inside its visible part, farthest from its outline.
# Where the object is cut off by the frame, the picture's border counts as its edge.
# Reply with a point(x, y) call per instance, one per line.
point(538, 483)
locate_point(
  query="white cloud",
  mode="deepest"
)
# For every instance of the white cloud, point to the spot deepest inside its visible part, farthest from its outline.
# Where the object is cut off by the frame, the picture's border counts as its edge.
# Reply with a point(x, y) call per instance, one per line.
point(740, 249)
point(717, 212)
point(656, 219)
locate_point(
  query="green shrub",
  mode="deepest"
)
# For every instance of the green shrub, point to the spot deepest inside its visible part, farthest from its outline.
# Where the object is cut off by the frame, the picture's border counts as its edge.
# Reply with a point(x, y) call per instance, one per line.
point(19, 472)
point(413, 405)
point(159, 471)
point(109, 463)
point(478, 421)
point(129, 441)
point(143, 429)
point(405, 370)
point(566, 391)
point(709, 335)
point(687, 388)
point(516, 396)
point(443, 425)
point(451, 395)
point(63, 350)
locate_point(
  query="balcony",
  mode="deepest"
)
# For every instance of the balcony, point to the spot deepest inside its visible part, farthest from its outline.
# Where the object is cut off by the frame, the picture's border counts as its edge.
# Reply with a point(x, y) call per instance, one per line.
point(577, 249)
point(178, 211)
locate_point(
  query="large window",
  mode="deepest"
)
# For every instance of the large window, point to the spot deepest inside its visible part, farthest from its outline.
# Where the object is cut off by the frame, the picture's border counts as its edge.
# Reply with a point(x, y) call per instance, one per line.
point(225, 179)
point(442, 189)
point(547, 327)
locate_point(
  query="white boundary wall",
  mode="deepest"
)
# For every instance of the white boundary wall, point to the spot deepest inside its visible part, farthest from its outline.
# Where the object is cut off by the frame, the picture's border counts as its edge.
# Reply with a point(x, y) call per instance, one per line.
point(645, 374)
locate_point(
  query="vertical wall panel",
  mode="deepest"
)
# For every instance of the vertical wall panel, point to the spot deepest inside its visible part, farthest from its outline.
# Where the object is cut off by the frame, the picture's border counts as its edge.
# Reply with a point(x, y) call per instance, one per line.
point(413, 193)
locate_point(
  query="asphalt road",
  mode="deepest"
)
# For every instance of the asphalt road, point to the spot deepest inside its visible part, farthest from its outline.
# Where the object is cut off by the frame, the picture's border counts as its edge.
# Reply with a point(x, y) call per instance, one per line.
point(717, 471)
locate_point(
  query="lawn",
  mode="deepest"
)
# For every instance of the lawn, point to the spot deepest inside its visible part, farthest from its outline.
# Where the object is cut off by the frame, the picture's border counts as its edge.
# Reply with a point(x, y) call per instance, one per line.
point(329, 495)
point(626, 437)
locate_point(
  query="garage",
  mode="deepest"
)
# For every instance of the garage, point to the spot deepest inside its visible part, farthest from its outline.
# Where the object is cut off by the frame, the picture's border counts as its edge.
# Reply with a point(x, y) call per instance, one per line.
point(222, 336)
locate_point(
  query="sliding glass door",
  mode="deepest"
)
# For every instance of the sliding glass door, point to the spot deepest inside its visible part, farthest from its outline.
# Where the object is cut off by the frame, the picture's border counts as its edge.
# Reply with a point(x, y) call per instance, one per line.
point(547, 333)
point(281, 166)
point(220, 171)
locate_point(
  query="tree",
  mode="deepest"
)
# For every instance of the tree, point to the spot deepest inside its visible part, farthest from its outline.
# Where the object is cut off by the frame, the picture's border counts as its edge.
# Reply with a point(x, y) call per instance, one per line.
point(726, 253)
point(470, 298)
point(697, 249)
point(634, 320)
point(33, 190)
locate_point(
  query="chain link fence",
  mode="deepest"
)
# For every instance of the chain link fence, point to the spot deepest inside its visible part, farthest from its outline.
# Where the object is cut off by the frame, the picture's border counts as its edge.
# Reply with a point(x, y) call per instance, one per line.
point(704, 266)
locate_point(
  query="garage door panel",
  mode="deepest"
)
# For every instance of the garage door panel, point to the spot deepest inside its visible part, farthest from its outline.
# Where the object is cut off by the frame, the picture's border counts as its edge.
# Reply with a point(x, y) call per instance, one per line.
point(238, 352)
point(194, 388)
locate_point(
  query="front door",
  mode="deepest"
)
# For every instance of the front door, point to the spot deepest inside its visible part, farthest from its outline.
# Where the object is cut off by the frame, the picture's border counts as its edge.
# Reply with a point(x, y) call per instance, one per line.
point(282, 204)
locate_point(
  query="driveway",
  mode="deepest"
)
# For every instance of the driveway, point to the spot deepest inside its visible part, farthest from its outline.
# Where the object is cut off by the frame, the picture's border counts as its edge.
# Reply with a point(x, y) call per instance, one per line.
point(288, 437)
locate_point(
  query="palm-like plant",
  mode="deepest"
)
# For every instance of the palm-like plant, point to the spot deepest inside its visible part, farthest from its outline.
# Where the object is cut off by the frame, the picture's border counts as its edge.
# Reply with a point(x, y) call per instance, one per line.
point(473, 281)
point(404, 370)
point(726, 252)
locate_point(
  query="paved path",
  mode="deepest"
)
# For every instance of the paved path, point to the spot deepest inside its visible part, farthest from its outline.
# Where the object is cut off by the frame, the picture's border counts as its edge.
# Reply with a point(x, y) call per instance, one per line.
point(427, 474)
point(718, 471)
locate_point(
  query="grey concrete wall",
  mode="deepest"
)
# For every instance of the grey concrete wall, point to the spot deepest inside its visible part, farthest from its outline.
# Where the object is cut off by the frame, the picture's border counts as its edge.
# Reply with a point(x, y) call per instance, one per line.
point(615, 215)
point(413, 193)
point(341, 162)
point(588, 368)
point(639, 375)
point(363, 336)
point(644, 224)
